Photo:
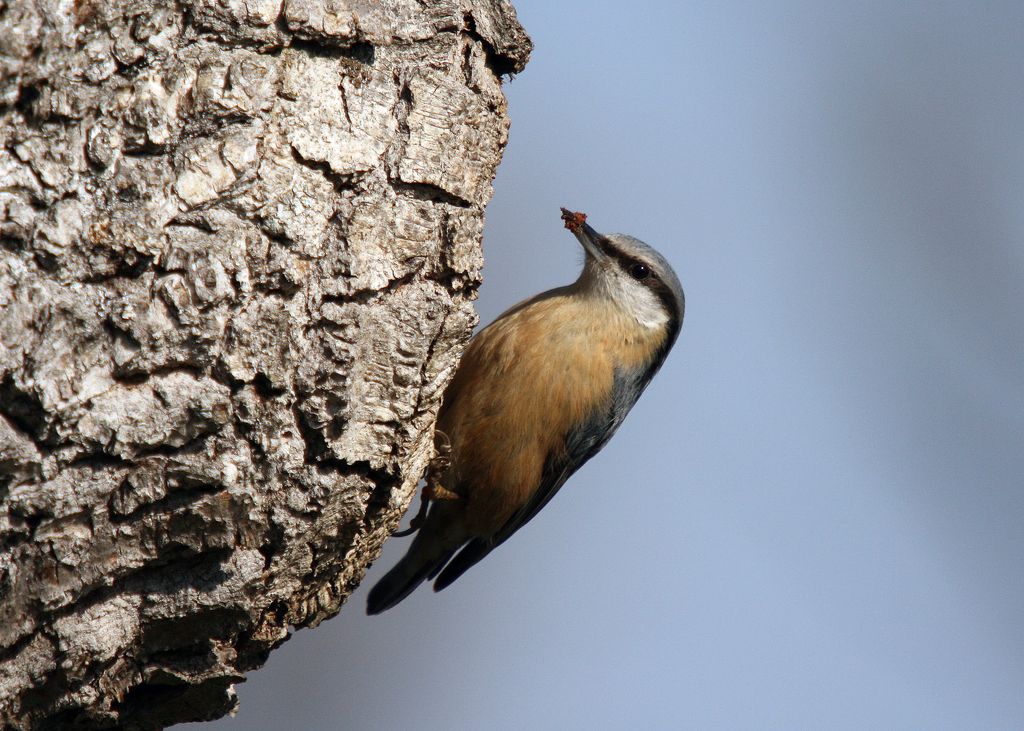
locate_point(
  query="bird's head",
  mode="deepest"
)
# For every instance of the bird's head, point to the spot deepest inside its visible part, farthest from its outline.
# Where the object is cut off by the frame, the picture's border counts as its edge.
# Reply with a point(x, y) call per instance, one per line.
point(629, 272)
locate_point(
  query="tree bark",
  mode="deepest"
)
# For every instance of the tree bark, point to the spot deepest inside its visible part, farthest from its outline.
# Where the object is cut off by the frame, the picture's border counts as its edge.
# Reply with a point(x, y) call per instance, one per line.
point(239, 240)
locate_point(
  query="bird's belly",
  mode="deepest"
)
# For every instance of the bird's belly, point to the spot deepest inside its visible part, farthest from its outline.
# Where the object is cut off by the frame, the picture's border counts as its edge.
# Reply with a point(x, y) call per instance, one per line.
point(514, 420)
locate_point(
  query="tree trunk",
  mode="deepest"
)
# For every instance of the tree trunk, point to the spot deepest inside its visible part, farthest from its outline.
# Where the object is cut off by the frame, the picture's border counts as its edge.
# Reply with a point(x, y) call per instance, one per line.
point(238, 244)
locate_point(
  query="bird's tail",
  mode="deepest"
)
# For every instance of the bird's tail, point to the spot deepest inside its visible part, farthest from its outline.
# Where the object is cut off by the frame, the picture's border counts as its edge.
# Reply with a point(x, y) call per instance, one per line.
point(433, 546)
point(400, 582)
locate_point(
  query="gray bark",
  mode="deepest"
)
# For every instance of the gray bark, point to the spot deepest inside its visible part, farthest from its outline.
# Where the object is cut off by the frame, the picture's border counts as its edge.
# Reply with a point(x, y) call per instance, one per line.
point(239, 240)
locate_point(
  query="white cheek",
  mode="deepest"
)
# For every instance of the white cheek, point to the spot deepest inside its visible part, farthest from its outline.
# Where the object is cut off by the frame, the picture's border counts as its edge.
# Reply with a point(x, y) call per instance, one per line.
point(637, 300)
point(649, 311)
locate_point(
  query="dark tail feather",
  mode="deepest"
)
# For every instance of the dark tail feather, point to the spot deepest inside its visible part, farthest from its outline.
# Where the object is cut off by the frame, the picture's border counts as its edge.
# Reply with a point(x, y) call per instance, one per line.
point(402, 580)
point(473, 551)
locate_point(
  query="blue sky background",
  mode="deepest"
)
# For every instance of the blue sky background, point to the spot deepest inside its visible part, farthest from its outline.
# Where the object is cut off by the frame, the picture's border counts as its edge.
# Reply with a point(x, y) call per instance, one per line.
point(814, 518)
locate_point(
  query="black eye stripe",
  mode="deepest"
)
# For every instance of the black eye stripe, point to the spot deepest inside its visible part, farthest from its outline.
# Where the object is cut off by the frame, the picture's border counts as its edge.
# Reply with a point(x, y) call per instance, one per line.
point(606, 245)
point(639, 270)
point(627, 262)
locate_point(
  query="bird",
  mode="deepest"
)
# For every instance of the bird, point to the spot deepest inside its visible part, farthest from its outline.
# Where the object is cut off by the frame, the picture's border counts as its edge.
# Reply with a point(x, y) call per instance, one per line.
point(537, 393)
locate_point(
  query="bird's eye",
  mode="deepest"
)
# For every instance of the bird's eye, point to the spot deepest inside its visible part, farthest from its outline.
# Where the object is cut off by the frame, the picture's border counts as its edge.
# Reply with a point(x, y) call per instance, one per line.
point(639, 272)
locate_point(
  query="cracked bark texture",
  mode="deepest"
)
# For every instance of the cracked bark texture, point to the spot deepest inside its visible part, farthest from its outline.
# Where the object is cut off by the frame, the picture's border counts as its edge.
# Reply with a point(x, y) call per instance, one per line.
point(239, 240)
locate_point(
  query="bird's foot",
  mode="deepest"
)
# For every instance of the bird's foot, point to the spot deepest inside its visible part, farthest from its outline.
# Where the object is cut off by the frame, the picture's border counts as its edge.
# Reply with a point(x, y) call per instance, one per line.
point(437, 491)
point(437, 468)
point(418, 520)
point(442, 458)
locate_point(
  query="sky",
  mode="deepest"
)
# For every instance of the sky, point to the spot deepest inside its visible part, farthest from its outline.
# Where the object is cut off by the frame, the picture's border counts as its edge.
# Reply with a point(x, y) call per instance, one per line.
point(814, 517)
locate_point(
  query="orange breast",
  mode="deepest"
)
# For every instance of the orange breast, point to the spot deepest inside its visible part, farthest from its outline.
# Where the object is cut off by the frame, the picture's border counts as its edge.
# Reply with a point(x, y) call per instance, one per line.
point(523, 384)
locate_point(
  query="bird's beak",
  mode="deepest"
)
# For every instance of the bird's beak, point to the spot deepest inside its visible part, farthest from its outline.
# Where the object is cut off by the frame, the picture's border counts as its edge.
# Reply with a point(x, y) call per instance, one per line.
point(585, 234)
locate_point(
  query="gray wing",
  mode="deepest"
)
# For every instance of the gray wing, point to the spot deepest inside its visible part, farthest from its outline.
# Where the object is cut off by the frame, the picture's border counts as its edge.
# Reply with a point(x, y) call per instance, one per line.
point(581, 444)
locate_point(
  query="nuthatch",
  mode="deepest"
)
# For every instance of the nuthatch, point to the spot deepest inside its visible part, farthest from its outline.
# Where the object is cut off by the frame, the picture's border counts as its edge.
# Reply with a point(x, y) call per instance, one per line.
point(538, 392)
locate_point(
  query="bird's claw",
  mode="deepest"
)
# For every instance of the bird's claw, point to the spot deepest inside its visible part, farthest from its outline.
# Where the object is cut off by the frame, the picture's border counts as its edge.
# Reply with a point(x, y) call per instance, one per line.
point(443, 457)
point(442, 460)
point(436, 491)
point(417, 522)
